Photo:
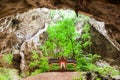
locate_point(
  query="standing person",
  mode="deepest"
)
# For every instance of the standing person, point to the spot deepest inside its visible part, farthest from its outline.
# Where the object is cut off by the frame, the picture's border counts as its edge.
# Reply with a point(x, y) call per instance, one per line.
point(62, 63)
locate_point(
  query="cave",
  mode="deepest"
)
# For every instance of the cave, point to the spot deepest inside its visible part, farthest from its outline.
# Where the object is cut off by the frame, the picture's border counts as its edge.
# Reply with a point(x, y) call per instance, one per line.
point(21, 35)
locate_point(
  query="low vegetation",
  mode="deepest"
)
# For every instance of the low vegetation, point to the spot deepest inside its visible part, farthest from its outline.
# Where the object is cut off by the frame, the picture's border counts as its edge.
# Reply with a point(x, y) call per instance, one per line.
point(6, 60)
point(39, 62)
point(8, 74)
point(6, 71)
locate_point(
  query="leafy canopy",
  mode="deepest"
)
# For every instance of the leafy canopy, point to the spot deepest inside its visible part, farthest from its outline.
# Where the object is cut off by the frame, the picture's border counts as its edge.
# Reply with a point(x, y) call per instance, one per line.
point(61, 38)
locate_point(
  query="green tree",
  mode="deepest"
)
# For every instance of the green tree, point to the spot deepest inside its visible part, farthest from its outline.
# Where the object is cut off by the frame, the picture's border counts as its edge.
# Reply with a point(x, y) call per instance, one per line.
point(61, 39)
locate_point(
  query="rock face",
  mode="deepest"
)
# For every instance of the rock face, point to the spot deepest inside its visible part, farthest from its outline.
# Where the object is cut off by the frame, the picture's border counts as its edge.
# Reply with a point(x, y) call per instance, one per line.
point(104, 10)
point(20, 34)
point(107, 11)
point(103, 44)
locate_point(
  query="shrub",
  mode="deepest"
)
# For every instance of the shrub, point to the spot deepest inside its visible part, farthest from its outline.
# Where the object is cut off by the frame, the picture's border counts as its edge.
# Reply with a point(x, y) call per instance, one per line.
point(40, 62)
point(8, 74)
point(81, 77)
point(86, 62)
point(108, 70)
point(54, 67)
point(8, 58)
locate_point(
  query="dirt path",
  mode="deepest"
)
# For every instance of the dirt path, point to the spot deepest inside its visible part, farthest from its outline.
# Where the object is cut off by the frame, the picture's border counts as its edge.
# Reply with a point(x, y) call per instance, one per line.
point(54, 76)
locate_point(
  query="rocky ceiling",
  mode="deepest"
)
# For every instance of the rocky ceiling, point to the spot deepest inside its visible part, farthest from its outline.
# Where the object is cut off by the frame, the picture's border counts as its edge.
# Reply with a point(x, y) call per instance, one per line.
point(103, 10)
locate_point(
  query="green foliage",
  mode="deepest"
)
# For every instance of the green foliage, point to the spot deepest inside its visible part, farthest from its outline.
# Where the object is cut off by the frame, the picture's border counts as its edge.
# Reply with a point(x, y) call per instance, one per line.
point(98, 78)
point(3, 77)
point(70, 67)
point(94, 58)
point(61, 39)
point(104, 70)
point(87, 43)
point(86, 37)
point(7, 74)
point(37, 71)
point(40, 62)
point(35, 59)
point(86, 27)
point(7, 58)
point(108, 71)
point(81, 77)
point(55, 67)
point(86, 62)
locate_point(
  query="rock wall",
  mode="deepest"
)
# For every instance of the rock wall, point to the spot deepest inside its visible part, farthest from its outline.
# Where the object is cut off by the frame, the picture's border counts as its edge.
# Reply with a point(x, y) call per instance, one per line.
point(107, 11)
point(20, 34)
point(104, 45)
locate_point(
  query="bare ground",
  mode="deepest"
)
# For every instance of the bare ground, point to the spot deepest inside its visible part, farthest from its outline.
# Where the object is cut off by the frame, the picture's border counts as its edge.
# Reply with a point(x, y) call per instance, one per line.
point(54, 76)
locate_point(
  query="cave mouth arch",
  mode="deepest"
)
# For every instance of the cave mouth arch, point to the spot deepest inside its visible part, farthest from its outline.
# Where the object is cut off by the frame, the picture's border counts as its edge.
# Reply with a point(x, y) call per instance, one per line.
point(98, 10)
